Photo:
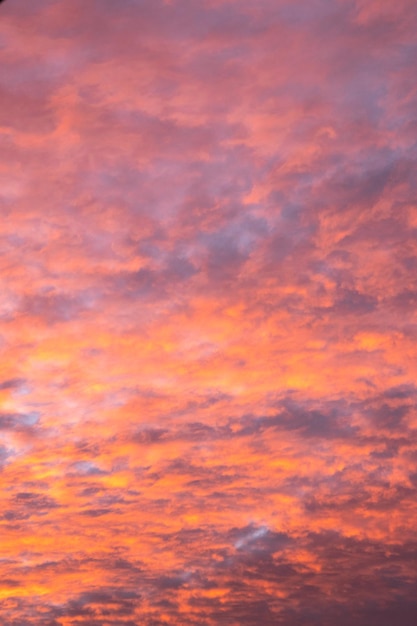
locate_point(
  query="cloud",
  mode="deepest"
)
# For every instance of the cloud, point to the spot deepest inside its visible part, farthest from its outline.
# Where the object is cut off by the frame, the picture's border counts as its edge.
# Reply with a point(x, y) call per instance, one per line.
point(207, 323)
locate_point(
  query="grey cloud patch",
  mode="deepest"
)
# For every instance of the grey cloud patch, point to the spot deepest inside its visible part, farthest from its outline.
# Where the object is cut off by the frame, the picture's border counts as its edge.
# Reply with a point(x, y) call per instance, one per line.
point(352, 302)
point(389, 417)
point(406, 300)
point(112, 603)
point(227, 250)
point(259, 539)
point(149, 283)
point(17, 421)
point(401, 392)
point(148, 436)
point(56, 307)
point(180, 268)
point(99, 512)
point(26, 504)
point(326, 422)
point(86, 468)
point(12, 383)
point(174, 581)
point(36, 501)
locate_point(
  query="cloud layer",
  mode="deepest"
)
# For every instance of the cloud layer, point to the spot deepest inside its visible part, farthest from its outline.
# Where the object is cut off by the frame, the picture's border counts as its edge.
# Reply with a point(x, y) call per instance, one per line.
point(208, 313)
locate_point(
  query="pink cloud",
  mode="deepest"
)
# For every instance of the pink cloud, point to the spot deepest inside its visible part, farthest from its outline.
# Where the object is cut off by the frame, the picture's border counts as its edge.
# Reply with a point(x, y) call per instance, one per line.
point(207, 316)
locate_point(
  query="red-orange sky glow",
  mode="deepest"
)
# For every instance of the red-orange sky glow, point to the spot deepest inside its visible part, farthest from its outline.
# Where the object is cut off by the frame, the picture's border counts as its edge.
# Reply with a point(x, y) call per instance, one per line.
point(208, 323)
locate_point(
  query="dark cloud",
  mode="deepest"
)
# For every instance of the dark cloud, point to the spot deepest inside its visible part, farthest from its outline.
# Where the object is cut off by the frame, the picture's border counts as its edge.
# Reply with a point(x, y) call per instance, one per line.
point(327, 423)
point(54, 308)
point(15, 421)
point(12, 383)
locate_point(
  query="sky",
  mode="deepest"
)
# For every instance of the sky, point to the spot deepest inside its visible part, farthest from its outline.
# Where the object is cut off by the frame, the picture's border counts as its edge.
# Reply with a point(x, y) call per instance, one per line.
point(208, 266)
